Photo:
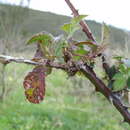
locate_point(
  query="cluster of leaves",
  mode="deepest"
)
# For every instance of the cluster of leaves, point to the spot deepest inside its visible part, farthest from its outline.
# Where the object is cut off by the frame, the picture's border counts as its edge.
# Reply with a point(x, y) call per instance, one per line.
point(122, 77)
point(63, 49)
point(55, 49)
point(73, 26)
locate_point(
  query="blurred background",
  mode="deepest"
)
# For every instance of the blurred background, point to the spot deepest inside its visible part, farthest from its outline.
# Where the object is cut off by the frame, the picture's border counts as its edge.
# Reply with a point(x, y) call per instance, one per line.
point(70, 103)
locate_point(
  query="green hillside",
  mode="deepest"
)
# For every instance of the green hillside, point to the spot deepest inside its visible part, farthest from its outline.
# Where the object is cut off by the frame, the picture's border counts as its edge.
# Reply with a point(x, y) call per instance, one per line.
point(36, 21)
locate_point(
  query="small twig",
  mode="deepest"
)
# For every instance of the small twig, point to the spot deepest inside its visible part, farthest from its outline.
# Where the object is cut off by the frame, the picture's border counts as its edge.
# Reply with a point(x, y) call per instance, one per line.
point(45, 62)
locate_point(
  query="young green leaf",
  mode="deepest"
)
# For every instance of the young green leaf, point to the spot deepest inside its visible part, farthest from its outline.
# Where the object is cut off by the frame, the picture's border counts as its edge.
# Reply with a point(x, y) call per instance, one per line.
point(81, 51)
point(118, 76)
point(77, 19)
point(70, 28)
point(73, 26)
point(43, 37)
point(122, 68)
point(120, 83)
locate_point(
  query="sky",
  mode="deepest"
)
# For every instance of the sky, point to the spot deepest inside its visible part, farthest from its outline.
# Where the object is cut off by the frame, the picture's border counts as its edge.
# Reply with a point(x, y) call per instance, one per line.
point(113, 12)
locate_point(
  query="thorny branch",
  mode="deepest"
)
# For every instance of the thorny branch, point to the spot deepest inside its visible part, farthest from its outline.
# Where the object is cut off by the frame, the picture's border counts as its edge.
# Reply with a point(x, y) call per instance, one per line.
point(72, 67)
point(84, 26)
point(90, 74)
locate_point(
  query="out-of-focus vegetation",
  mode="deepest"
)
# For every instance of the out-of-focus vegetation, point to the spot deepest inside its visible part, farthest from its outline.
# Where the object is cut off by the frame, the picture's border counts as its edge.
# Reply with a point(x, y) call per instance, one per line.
point(36, 21)
point(67, 105)
point(70, 104)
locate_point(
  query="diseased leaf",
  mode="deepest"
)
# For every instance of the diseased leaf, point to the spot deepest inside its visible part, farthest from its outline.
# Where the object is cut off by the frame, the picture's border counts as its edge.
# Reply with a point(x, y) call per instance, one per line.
point(34, 85)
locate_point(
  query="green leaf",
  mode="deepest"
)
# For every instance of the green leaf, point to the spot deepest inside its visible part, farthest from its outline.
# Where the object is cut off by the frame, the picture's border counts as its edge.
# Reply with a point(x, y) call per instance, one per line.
point(67, 27)
point(118, 76)
point(122, 68)
point(43, 37)
point(70, 28)
point(73, 26)
point(46, 41)
point(76, 58)
point(120, 83)
point(77, 19)
point(81, 51)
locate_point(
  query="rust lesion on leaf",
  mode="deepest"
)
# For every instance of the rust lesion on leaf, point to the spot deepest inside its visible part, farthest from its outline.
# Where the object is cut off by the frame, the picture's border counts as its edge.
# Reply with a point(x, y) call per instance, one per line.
point(34, 84)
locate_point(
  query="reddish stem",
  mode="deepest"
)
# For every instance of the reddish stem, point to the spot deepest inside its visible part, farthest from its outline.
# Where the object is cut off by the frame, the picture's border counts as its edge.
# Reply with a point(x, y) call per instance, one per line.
point(90, 74)
point(84, 26)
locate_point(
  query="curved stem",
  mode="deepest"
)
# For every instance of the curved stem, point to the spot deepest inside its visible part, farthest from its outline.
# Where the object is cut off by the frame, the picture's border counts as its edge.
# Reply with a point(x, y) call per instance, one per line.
point(101, 87)
point(84, 26)
point(90, 74)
